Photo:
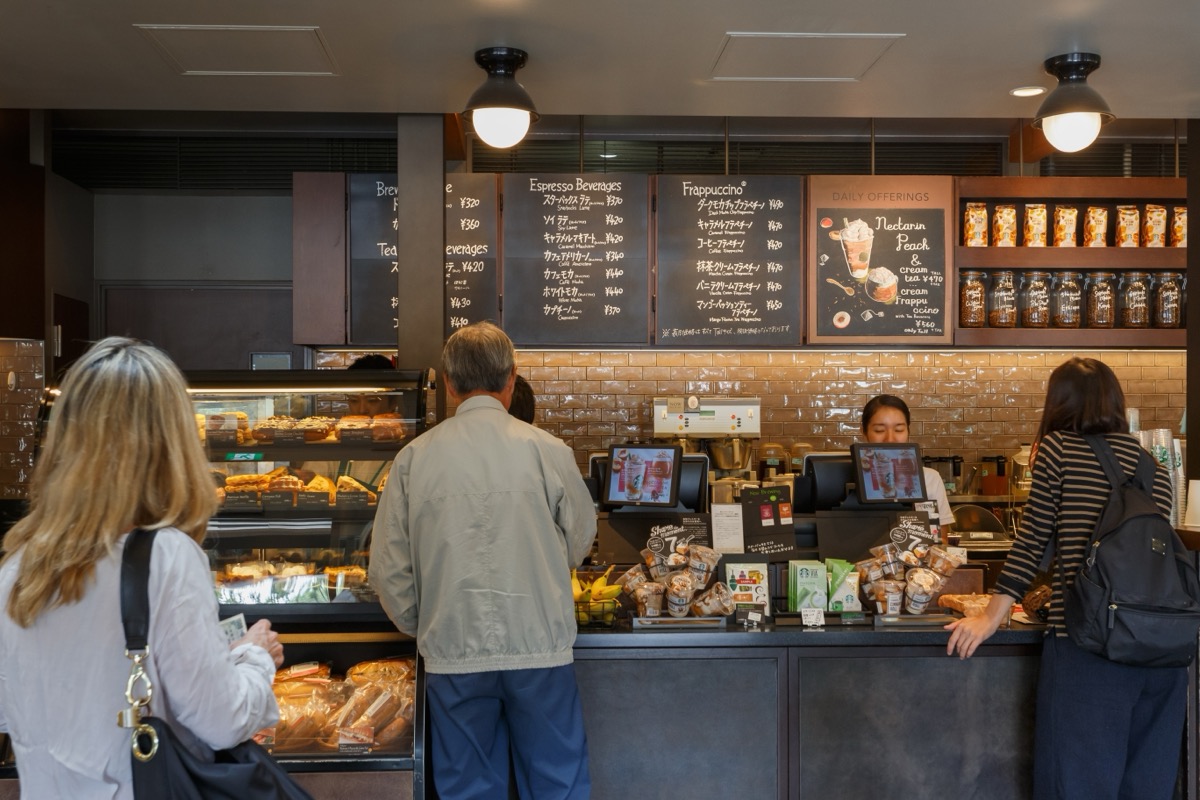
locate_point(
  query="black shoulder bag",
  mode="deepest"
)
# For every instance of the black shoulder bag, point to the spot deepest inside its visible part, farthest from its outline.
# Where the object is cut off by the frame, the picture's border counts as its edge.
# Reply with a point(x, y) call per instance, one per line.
point(163, 768)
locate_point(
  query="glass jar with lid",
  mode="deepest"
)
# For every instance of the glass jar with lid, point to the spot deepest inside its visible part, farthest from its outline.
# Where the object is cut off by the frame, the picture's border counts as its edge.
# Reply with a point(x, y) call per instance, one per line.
point(1100, 292)
point(1067, 300)
point(1169, 300)
point(1002, 300)
point(972, 299)
point(1133, 302)
point(1034, 299)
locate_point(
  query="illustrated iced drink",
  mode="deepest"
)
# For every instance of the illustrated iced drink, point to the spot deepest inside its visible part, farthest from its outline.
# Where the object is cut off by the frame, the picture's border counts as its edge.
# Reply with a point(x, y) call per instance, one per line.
point(634, 473)
point(883, 474)
point(857, 238)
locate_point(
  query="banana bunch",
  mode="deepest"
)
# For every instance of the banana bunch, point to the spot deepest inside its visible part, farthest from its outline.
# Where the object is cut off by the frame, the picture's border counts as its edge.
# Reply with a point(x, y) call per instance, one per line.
point(595, 601)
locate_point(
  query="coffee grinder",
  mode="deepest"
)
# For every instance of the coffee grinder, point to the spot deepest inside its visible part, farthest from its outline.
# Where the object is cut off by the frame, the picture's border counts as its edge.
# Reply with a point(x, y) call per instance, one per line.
point(725, 427)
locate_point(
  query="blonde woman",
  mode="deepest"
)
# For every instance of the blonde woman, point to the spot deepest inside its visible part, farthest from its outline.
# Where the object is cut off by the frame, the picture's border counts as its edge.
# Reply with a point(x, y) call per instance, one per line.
point(121, 453)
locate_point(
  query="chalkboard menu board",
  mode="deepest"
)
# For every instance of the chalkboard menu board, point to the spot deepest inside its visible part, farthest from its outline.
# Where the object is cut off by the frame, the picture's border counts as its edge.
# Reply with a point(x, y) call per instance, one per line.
point(878, 269)
point(373, 265)
point(728, 260)
point(576, 259)
point(471, 264)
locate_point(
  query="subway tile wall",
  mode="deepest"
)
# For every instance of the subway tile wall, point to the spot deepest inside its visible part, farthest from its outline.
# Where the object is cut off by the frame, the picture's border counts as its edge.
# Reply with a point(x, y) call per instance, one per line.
point(24, 360)
point(966, 402)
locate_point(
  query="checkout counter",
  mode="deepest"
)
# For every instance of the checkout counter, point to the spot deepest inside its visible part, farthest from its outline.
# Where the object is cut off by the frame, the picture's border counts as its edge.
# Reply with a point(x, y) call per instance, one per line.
point(782, 711)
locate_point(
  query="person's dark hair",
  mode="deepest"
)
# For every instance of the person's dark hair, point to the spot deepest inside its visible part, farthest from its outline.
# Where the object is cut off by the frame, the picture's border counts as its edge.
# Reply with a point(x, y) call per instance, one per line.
point(477, 358)
point(523, 406)
point(1083, 396)
point(879, 401)
point(372, 361)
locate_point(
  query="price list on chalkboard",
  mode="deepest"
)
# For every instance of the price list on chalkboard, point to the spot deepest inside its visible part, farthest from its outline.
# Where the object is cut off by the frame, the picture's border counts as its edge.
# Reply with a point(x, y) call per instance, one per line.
point(373, 259)
point(728, 260)
point(472, 287)
point(878, 270)
point(576, 258)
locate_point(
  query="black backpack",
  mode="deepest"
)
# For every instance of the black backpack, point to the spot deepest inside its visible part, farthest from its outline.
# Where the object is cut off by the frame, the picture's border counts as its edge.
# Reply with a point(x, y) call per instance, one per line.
point(1136, 597)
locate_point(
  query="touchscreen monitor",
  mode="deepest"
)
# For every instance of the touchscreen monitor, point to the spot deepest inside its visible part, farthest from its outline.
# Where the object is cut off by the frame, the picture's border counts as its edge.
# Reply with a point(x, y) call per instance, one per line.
point(643, 475)
point(889, 472)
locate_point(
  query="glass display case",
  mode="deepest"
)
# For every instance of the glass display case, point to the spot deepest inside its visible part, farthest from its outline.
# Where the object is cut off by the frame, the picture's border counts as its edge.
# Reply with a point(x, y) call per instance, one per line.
point(298, 461)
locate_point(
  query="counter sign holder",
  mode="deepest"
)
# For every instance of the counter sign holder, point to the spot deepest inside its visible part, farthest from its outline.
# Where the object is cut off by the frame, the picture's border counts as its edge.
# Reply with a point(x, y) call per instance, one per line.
point(878, 259)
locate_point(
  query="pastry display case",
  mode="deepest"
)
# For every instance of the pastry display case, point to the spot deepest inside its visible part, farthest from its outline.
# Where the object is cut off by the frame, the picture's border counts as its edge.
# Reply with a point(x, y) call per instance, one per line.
point(298, 459)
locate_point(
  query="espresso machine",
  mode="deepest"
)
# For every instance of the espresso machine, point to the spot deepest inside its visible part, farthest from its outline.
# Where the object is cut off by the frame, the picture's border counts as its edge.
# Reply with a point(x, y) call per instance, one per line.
point(724, 427)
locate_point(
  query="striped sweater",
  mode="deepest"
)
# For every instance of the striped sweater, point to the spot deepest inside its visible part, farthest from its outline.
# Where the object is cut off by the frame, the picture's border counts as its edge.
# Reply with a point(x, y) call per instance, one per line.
point(1067, 495)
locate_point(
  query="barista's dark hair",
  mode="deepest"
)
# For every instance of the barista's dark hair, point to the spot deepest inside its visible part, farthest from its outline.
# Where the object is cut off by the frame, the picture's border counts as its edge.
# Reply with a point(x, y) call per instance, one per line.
point(478, 357)
point(880, 401)
point(372, 361)
point(523, 406)
point(1083, 396)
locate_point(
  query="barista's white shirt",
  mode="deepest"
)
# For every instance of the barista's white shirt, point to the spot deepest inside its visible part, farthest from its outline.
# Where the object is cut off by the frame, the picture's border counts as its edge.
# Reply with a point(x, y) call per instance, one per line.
point(936, 490)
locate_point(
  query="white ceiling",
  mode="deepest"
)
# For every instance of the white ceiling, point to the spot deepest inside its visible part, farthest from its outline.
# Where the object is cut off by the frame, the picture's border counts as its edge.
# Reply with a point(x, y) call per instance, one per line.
point(853, 59)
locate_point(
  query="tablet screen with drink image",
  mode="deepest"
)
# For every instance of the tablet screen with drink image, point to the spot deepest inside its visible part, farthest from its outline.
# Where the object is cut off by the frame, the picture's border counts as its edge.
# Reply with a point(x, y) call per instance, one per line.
point(643, 475)
point(889, 473)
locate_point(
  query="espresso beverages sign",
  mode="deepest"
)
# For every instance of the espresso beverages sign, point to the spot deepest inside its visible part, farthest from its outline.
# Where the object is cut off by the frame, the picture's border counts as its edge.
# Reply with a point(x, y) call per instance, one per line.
point(728, 261)
point(374, 286)
point(576, 259)
point(878, 267)
point(472, 287)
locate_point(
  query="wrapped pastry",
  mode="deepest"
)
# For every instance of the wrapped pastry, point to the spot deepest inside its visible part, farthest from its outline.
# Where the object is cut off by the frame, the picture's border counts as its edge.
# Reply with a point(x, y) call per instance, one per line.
point(717, 601)
point(969, 605)
point(381, 670)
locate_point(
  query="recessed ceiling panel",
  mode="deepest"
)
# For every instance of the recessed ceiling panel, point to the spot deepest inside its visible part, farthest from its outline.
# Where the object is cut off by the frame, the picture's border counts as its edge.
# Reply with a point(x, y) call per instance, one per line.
point(242, 49)
point(800, 56)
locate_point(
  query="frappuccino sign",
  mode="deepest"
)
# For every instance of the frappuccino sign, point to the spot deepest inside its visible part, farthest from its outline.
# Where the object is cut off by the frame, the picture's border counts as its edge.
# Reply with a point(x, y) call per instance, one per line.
point(878, 268)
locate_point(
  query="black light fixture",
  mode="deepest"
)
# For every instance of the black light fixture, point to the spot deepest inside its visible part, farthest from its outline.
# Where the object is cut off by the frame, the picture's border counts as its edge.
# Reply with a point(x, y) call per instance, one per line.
point(1072, 114)
point(501, 110)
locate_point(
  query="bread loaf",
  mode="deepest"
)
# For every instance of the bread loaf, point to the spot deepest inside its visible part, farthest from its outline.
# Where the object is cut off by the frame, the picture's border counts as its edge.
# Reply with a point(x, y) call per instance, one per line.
point(969, 605)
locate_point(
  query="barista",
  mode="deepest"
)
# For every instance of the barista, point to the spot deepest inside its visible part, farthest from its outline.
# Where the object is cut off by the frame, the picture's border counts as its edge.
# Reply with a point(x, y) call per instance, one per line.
point(885, 418)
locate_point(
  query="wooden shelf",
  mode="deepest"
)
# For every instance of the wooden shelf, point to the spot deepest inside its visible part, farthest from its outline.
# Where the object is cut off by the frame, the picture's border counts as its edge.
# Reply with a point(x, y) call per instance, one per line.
point(1067, 338)
point(1037, 190)
point(1072, 258)
point(1108, 192)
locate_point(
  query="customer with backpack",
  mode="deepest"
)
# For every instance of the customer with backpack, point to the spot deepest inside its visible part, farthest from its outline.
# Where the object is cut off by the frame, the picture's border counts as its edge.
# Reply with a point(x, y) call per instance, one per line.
point(1103, 729)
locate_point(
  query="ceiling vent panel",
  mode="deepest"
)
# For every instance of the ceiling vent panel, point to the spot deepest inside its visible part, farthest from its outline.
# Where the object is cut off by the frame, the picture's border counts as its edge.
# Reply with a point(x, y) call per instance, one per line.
point(800, 56)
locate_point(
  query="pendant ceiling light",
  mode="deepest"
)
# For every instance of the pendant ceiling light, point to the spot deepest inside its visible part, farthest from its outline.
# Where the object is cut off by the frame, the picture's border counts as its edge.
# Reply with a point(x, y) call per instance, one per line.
point(501, 110)
point(1072, 114)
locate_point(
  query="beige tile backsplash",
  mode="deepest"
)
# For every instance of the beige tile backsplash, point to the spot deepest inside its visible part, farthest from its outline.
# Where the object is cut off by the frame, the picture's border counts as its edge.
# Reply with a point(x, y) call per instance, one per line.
point(970, 403)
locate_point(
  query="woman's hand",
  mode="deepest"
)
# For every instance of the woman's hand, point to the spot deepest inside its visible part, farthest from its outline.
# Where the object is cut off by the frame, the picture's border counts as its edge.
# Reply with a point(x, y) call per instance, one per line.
point(260, 633)
point(968, 633)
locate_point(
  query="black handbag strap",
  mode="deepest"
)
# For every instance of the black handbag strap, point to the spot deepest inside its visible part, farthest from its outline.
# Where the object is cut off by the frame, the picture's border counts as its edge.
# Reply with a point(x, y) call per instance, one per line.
point(135, 588)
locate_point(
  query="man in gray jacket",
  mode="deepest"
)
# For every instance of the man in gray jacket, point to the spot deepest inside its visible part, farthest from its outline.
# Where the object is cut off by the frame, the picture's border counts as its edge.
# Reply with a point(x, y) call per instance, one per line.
point(481, 521)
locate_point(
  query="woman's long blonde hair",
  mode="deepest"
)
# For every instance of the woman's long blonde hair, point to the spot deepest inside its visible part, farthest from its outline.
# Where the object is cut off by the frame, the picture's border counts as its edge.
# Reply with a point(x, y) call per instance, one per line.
point(121, 452)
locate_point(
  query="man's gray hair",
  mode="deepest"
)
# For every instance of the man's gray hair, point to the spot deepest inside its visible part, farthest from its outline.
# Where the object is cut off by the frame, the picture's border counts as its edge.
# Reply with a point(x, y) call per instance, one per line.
point(478, 357)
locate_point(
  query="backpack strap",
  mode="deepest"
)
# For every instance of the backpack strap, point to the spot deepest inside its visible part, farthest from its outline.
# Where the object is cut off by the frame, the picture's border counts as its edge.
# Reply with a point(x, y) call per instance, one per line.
point(1143, 476)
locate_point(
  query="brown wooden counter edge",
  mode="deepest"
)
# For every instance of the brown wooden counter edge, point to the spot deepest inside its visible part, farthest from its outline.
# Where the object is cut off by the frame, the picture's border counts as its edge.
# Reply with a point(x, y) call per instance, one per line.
point(1190, 534)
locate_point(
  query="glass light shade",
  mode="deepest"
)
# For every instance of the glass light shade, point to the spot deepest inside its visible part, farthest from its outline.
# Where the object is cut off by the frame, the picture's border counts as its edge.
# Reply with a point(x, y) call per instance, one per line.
point(1072, 132)
point(500, 127)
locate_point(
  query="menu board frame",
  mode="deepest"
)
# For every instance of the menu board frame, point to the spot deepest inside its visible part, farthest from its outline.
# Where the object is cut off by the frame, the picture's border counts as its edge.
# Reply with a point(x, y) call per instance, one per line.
point(373, 264)
point(728, 266)
point(580, 217)
point(914, 258)
point(472, 249)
